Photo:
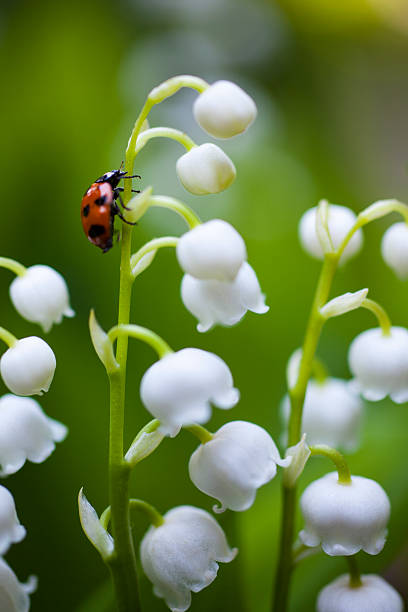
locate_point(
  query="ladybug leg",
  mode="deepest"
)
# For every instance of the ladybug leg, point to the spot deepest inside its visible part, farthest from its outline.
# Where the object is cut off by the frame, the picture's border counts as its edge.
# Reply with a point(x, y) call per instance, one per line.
point(116, 211)
point(133, 190)
point(119, 197)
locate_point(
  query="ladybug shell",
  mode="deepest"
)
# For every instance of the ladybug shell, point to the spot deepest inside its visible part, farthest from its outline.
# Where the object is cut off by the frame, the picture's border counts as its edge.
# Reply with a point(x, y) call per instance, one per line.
point(97, 215)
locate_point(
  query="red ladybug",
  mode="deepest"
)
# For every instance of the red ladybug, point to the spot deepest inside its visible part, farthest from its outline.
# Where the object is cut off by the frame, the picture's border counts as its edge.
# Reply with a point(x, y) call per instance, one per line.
point(99, 207)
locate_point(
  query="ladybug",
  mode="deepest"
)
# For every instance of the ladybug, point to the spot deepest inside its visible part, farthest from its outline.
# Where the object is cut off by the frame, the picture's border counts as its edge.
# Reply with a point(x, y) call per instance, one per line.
point(99, 208)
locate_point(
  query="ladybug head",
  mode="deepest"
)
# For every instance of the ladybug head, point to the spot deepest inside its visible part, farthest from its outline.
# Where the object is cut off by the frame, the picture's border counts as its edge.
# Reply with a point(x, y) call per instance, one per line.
point(113, 177)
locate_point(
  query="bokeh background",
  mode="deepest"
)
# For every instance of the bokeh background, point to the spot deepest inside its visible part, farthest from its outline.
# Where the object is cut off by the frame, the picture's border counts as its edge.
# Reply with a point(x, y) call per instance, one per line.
point(330, 81)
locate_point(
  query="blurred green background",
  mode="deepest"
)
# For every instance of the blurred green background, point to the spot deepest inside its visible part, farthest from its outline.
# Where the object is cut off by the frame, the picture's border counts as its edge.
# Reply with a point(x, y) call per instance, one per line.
point(331, 85)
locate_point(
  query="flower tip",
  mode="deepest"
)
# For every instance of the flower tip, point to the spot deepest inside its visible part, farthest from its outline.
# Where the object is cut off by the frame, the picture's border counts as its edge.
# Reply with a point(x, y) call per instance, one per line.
point(219, 509)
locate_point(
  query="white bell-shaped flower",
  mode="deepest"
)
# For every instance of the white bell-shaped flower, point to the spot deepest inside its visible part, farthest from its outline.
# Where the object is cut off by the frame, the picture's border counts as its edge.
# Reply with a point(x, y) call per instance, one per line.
point(28, 367)
point(11, 529)
point(240, 458)
point(345, 518)
point(379, 364)
point(374, 595)
point(181, 555)
point(223, 302)
point(394, 249)
point(41, 296)
point(224, 110)
point(205, 169)
point(25, 433)
point(14, 595)
point(178, 388)
point(212, 251)
point(331, 414)
point(340, 220)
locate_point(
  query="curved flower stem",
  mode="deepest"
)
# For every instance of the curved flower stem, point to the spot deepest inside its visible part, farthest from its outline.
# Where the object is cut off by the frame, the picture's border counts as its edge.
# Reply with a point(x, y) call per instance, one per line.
point(199, 432)
point(140, 333)
point(297, 397)
point(152, 245)
point(150, 511)
point(14, 266)
point(337, 458)
point(164, 132)
point(380, 313)
point(190, 217)
point(7, 337)
point(355, 576)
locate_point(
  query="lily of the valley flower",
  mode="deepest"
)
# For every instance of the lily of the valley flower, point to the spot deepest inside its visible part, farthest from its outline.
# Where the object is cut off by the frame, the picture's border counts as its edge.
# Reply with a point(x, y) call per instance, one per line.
point(181, 555)
point(345, 518)
point(41, 296)
point(212, 251)
point(178, 388)
point(224, 110)
point(11, 529)
point(373, 595)
point(394, 249)
point(240, 458)
point(340, 220)
point(205, 169)
point(223, 302)
point(331, 414)
point(28, 366)
point(14, 595)
point(379, 364)
point(25, 433)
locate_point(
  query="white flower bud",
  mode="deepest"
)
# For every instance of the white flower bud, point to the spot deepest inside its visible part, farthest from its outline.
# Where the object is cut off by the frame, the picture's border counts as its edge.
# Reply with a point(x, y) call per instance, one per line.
point(343, 303)
point(28, 367)
point(224, 302)
point(10, 528)
point(178, 388)
point(374, 595)
point(345, 518)
point(340, 220)
point(93, 529)
point(25, 433)
point(41, 296)
point(331, 414)
point(379, 364)
point(205, 169)
point(224, 110)
point(394, 249)
point(297, 457)
point(212, 251)
point(240, 458)
point(14, 595)
point(181, 555)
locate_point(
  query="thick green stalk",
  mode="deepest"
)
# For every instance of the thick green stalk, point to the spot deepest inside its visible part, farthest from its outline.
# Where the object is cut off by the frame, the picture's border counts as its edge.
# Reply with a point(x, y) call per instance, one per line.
point(297, 397)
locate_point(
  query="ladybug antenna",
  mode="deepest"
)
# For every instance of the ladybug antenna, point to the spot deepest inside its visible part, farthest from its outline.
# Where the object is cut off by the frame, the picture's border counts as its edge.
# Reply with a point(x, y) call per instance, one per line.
point(121, 164)
point(133, 176)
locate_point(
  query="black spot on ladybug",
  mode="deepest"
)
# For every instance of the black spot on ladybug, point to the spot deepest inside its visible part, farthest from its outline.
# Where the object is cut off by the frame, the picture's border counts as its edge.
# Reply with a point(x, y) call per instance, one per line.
point(85, 210)
point(96, 230)
point(100, 201)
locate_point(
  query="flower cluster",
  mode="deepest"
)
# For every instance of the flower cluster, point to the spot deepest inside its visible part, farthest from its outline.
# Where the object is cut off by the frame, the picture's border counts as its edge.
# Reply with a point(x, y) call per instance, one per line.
point(40, 295)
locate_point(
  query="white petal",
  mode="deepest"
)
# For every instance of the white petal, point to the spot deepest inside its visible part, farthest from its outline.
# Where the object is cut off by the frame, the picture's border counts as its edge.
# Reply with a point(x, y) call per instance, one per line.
point(212, 251)
point(178, 388)
point(205, 169)
point(28, 367)
point(41, 296)
point(240, 458)
point(345, 518)
point(92, 527)
point(394, 248)
point(182, 555)
point(374, 595)
point(224, 110)
point(14, 594)
point(10, 528)
point(341, 220)
point(25, 433)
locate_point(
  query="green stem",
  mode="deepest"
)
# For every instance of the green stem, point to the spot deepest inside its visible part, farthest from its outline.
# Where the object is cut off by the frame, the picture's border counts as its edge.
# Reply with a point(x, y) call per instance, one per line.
point(150, 511)
point(140, 333)
point(164, 132)
point(297, 396)
point(7, 337)
point(14, 266)
point(382, 317)
point(337, 458)
point(355, 576)
point(190, 217)
point(153, 245)
point(199, 432)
